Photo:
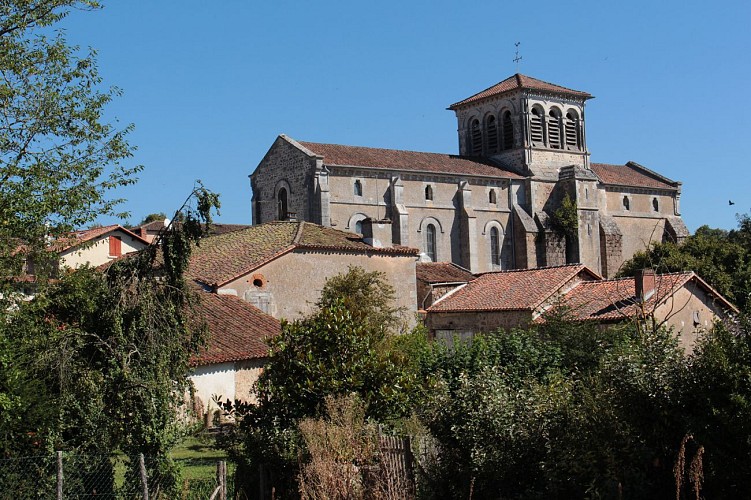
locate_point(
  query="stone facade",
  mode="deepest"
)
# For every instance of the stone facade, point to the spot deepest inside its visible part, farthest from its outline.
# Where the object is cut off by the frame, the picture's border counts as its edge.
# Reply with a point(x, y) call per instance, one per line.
point(522, 146)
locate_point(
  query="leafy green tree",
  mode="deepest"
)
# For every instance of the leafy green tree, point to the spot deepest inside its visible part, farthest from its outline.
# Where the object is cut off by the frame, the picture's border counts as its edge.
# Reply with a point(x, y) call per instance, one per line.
point(158, 216)
point(59, 158)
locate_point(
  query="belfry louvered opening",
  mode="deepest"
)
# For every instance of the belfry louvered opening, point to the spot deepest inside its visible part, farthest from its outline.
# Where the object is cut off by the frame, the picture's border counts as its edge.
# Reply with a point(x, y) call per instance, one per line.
point(535, 127)
point(573, 138)
point(491, 127)
point(554, 129)
point(508, 130)
point(475, 137)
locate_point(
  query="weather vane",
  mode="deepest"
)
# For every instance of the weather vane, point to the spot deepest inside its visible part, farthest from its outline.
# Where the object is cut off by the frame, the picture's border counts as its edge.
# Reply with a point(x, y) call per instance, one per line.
point(517, 58)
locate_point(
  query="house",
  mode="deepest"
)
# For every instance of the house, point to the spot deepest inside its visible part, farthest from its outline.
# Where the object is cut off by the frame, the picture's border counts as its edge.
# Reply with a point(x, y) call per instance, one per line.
point(507, 299)
point(281, 267)
point(493, 206)
point(236, 349)
point(436, 279)
point(151, 230)
point(97, 246)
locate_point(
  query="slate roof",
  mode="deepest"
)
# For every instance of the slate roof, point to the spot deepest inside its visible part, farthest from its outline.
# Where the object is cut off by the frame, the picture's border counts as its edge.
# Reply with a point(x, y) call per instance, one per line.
point(519, 81)
point(522, 289)
point(613, 300)
point(631, 174)
point(396, 159)
point(442, 272)
point(237, 330)
point(222, 258)
point(79, 237)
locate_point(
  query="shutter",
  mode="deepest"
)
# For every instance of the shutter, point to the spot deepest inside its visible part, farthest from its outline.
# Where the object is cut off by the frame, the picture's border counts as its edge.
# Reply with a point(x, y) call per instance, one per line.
point(116, 249)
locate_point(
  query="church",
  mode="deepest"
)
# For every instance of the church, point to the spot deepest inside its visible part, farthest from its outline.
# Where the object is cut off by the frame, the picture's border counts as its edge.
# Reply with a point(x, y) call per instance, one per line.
point(521, 193)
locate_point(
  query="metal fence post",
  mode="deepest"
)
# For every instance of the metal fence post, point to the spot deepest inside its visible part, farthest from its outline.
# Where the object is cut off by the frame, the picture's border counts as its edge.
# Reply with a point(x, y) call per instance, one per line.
point(59, 475)
point(144, 481)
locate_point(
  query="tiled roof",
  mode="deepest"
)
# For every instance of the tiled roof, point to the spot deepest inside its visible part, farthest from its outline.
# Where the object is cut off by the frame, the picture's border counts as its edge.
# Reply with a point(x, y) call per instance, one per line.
point(78, 237)
point(396, 159)
point(519, 81)
point(631, 174)
point(523, 289)
point(612, 300)
point(222, 258)
point(442, 272)
point(237, 330)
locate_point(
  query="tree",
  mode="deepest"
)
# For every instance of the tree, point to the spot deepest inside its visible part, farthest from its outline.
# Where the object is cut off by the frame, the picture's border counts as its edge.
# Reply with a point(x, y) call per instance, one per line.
point(58, 157)
point(158, 216)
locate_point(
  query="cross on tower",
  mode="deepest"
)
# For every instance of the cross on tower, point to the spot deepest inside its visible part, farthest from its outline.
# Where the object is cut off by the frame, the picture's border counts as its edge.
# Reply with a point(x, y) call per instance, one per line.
point(517, 58)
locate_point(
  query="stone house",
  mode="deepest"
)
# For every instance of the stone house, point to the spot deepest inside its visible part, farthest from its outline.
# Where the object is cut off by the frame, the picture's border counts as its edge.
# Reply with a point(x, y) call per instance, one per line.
point(436, 279)
point(281, 267)
point(97, 246)
point(522, 151)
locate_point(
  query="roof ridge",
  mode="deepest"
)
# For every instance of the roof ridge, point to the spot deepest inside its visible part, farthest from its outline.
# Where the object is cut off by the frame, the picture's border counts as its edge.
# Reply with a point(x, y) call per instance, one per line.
point(298, 234)
point(502, 271)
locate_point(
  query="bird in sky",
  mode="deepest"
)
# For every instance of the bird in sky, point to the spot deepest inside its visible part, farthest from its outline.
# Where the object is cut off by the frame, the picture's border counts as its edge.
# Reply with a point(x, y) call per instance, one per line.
point(731, 202)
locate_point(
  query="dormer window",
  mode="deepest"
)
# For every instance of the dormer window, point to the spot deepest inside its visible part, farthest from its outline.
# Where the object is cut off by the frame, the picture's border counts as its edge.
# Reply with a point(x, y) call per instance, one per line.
point(535, 127)
point(475, 136)
point(491, 128)
point(358, 188)
point(429, 193)
point(554, 129)
point(507, 131)
point(573, 138)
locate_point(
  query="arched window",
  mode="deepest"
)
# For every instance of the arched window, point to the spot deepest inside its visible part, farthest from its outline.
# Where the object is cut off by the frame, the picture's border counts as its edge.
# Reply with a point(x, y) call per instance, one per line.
point(492, 198)
point(508, 131)
point(358, 227)
point(475, 136)
point(491, 128)
point(495, 247)
point(430, 243)
point(535, 127)
point(655, 205)
point(429, 193)
point(282, 200)
point(358, 188)
point(554, 129)
point(573, 140)
point(626, 203)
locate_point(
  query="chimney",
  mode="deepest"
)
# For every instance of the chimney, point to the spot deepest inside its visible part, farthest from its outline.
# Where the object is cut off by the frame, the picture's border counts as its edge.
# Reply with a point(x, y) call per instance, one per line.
point(377, 233)
point(644, 279)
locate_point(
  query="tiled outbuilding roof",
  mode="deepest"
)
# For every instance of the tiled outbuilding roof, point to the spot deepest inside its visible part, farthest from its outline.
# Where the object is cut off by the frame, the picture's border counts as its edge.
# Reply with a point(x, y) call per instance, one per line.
point(519, 81)
point(222, 258)
point(396, 159)
point(614, 300)
point(442, 272)
point(631, 174)
point(237, 330)
point(522, 289)
point(79, 237)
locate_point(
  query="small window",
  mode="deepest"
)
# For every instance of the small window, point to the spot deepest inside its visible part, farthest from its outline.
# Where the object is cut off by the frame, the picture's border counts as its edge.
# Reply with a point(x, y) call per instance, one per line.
point(358, 227)
point(573, 140)
point(626, 203)
point(491, 128)
point(358, 188)
point(116, 249)
point(492, 198)
point(430, 242)
point(429, 193)
point(495, 248)
point(475, 137)
point(508, 131)
point(554, 129)
point(282, 201)
point(536, 127)
point(655, 205)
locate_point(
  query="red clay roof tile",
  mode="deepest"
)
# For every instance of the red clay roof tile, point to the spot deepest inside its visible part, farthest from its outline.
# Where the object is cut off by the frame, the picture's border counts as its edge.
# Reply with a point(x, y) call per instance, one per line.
point(442, 272)
point(519, 81)
point(396, 159)
point(631, 175)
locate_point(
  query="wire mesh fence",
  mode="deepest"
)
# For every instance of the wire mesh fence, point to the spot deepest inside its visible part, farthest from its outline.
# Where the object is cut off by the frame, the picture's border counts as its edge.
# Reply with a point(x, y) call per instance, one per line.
point(79, 476)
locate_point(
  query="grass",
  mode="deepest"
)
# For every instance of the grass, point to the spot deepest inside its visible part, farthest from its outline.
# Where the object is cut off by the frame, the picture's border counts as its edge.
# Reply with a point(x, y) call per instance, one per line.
point(197, 458)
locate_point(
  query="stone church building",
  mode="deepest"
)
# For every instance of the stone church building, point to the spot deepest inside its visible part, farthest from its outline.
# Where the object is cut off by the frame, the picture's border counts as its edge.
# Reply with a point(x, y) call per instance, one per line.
point(497, 204)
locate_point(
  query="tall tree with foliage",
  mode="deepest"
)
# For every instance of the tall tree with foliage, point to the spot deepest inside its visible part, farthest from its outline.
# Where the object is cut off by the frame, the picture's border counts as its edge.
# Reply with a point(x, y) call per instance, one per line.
point(59, 158)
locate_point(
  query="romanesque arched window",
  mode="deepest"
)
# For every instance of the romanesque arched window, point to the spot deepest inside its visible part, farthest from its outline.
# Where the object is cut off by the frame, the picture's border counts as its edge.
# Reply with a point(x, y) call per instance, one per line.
point(358, 188)
point(495, 248)
point(655, 205)
point(626, 203)
point(282, 202)
point(573, 138)
point(507, 131)
point(475, 137)
point(429, 193)
point(554, 129)
point(491, 129)
point(492, 199)
point(358, 227)
point(535, 127)
point(430, 242)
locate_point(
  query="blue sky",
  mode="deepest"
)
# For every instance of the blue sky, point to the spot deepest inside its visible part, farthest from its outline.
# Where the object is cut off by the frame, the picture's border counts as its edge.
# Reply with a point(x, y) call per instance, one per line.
point(209, 85)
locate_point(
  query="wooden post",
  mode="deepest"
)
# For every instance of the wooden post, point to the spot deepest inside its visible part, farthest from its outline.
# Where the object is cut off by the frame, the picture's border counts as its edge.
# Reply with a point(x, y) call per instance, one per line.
point(221, 479)
point(144, 480)
point(59, 475)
